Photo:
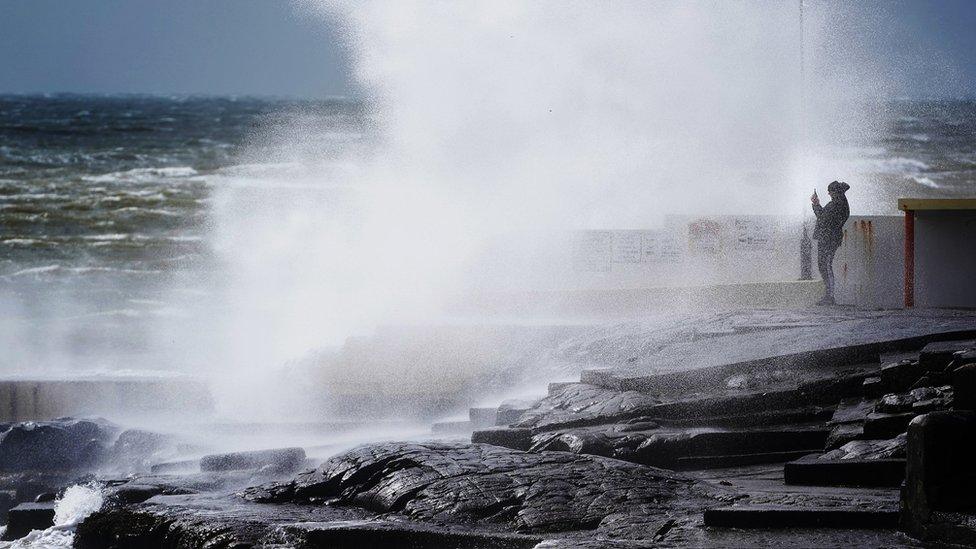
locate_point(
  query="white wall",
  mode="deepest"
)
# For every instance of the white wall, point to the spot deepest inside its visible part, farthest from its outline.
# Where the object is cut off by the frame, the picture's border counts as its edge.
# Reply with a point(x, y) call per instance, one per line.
point(869, 265)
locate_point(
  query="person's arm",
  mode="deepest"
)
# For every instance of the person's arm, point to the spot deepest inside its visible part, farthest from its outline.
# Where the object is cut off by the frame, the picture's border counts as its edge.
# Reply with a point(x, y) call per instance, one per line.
point(815, 201)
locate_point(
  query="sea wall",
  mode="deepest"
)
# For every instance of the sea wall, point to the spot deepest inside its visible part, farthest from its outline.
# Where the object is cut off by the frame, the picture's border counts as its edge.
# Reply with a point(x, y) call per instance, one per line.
point(36, 400)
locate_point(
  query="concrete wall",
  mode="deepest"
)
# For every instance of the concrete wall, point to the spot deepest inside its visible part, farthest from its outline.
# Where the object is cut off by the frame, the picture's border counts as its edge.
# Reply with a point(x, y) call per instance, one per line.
point(36, 400)
point(690, 251)
point(945, 258)
point(869, 265)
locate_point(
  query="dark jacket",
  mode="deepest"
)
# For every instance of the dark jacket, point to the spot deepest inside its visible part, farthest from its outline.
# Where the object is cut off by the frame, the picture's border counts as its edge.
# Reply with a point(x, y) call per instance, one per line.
point(830, 222)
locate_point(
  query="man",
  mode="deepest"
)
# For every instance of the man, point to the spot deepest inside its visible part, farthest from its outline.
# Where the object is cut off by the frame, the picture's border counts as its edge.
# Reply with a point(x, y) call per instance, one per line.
point(829, 233)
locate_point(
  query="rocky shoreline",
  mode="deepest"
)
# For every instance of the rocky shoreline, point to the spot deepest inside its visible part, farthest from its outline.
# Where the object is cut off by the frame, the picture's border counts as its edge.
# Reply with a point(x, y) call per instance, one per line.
point(834, 446)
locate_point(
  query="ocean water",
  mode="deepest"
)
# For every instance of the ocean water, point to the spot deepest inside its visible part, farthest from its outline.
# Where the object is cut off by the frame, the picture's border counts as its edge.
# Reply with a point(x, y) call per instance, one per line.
point(106, 202)
point(104, 213)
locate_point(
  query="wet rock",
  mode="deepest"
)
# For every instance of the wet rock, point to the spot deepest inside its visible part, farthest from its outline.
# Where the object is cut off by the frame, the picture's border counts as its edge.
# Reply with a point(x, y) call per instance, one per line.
point(134, 492)
point(939, 483)
point(592, 443)
point(964, 387)
point(526, 492)
point(46, 496)
point(852, 410)
point(936, 356)
point(961, 358)
point(8, 499)
point(182, 466)
point(900, 375)
point(940, 397)
point(872, 387)
point(640, 426)
point(60, 445)
point(870, 449)
point(28, 516)
point(281, 460)
point(581, 404)
point(135, 449)
point(842, 434)
point(884, 426)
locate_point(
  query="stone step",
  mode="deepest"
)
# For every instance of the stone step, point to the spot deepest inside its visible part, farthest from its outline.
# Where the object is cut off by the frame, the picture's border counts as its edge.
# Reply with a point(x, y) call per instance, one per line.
point(810, 414)
point(811, 471)
point(693, 463)
point(28, 516)
point(777, 444)
point(783, 516)
point(508, 437)
point(826, 392)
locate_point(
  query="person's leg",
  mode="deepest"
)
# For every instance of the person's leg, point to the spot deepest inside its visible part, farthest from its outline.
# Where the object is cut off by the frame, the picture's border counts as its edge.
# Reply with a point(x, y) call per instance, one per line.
point(825, 260)
point(830, 273)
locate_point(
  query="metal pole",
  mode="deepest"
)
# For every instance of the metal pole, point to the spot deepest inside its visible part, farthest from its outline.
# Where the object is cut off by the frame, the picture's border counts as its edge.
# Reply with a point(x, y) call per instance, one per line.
point(909, 258)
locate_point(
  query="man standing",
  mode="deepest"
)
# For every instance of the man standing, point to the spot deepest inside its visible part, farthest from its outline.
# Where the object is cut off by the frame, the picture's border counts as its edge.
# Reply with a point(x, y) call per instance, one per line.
point(829, 233)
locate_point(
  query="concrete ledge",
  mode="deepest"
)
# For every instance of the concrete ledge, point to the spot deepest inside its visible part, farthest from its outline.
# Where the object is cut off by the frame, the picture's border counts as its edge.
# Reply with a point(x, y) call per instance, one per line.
point(811, 471)
point(776, 516)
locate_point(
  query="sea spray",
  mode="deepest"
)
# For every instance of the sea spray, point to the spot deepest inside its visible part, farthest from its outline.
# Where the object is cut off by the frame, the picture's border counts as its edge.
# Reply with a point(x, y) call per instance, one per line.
point(494, 129)
point(77, 502)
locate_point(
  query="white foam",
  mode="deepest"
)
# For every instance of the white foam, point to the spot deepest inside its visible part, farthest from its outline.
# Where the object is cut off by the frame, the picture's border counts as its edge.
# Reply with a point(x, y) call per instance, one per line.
point(36, 270)
point(74, 506)
point(143, 174)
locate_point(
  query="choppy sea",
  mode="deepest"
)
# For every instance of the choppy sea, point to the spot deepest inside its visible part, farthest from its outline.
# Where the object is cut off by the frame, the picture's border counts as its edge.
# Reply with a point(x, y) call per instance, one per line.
point(104, 200)
point(104, 208)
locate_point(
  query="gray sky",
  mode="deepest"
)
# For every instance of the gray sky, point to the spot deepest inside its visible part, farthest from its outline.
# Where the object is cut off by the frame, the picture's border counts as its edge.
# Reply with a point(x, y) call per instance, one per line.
point(262, 47)
point(246, 47)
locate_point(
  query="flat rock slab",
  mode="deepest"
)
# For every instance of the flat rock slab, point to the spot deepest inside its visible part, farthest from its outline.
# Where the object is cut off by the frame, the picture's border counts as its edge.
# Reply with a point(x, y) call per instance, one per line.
point(522, 492)
point(781, 516)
